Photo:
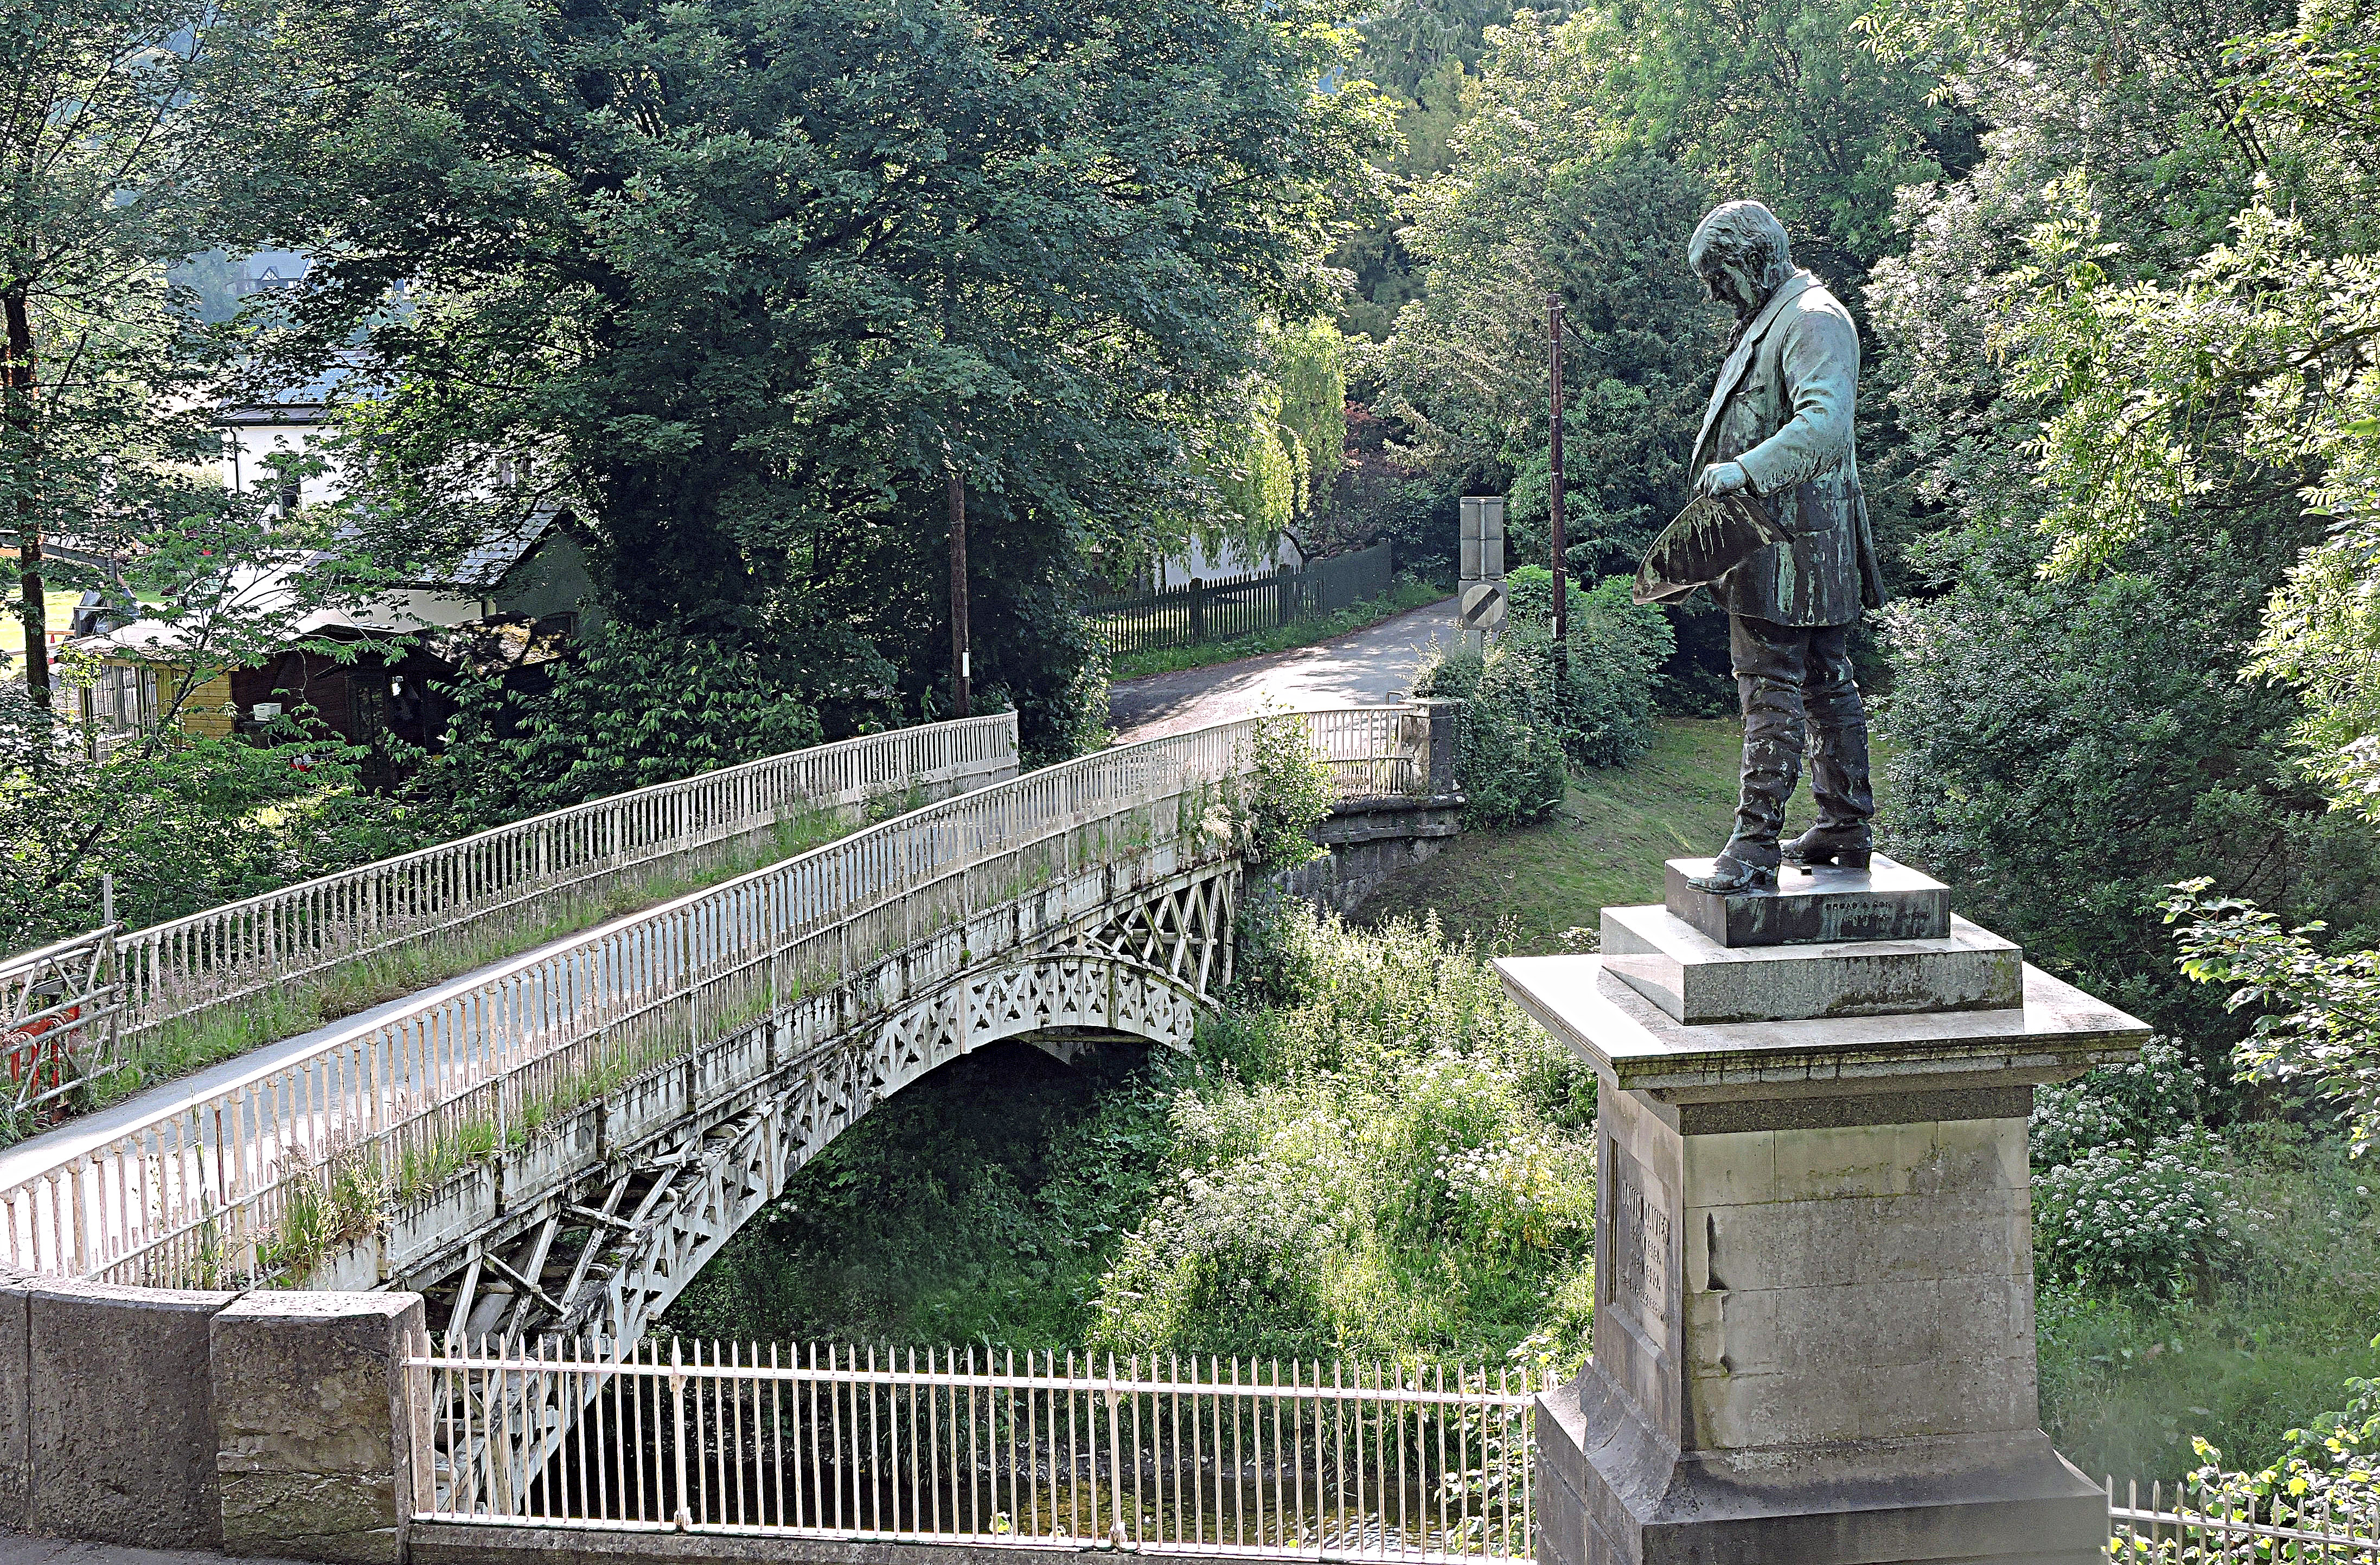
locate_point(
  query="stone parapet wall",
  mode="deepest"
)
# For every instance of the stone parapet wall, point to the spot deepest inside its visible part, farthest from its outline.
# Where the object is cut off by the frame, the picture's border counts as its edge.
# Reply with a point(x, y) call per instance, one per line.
point(264, 1422)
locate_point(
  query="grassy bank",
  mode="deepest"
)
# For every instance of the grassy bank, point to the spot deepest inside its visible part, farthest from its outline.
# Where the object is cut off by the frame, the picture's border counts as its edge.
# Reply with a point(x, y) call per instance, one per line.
point(1604, 846)
point(1405, 596)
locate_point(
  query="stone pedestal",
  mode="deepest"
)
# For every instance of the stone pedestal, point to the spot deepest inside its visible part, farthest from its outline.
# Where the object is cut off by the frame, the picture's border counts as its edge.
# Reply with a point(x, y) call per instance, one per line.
point(1813, 1337)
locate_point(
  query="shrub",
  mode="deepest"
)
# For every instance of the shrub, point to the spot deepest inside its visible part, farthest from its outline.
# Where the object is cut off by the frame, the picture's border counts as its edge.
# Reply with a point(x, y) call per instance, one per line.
point(627, 708)
point(2153, 1096)
point(1289, 792)
point(1386, 1156)
point(184, 823)
point(1527, 717)
point(1509, 760)
point(2127, 1217)
point(2130, 1189)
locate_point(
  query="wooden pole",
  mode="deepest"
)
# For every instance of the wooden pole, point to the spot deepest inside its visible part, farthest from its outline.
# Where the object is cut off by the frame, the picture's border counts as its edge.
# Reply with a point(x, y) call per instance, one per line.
point(962, 668)
point(1561, 541)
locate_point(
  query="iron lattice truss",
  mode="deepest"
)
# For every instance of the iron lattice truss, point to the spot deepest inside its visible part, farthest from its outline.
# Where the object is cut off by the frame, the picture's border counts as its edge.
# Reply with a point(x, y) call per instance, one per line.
point(605, 1256)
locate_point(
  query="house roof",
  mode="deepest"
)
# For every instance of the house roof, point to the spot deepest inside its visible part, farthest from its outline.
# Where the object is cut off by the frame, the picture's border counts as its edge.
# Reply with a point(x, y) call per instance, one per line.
point(481, 566)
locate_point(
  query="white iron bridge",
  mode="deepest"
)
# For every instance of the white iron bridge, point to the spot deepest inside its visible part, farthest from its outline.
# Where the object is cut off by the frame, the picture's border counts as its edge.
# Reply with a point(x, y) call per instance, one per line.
point(555, 1144)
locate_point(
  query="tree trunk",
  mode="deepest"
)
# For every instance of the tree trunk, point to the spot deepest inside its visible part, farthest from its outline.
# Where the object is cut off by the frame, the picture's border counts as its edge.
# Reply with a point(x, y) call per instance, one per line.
point(19, 393)
point(962, 668)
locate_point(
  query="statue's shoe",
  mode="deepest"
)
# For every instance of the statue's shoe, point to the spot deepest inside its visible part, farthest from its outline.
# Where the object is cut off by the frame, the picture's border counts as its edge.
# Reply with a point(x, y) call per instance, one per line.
point(1729, 876)
point(1848, 849)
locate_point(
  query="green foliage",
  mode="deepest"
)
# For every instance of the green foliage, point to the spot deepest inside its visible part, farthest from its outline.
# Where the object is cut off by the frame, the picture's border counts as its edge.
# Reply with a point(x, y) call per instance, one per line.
point(2131, 1192)
point(1525, 718)
point(1274, 467)
point(1287, 791)
point(2062, 750)
point(2327, 1472)
point(1540, 198)
point(1307, 364)
point(1373, 1153)
point(625, 709)
point(2251, 369)
point(2247, 1352)
point(742, 282)
point(116, 137)
point(2317, 1013)
point(1509, 760)
point(183, 824)
point(1256, 473)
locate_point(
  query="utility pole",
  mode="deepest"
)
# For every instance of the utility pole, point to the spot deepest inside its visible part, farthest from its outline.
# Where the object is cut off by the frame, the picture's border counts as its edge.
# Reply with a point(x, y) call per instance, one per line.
point(961, 670)
point(1561, 541)
point(18, 390)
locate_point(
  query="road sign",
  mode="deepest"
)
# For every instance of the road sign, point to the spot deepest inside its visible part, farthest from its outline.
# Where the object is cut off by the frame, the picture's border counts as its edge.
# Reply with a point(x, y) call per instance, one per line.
point(1483, 605)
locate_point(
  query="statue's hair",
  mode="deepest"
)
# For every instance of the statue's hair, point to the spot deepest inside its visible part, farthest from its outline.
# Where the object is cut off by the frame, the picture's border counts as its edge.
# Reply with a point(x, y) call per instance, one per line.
point(1747, 234)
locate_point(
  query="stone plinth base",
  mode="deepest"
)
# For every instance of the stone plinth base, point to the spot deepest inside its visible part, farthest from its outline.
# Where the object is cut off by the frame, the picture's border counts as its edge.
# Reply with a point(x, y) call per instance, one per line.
point(1610, 1492)
point(1814, 1333)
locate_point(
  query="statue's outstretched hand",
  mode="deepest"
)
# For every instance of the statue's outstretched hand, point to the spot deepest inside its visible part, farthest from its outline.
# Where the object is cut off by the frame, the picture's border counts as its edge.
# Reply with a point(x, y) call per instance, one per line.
point(1720, 477)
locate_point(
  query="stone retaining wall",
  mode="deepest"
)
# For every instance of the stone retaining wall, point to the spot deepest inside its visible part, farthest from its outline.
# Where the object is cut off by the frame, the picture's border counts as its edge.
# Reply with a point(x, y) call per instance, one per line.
point(1365, 841)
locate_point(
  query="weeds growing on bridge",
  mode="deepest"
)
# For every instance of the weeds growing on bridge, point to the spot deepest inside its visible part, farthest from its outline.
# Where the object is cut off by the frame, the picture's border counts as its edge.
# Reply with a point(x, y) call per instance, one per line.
point(287, 1010)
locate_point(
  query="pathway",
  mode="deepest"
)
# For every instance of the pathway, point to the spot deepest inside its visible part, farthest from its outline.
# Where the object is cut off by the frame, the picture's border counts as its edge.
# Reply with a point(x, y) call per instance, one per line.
point(1363, 668)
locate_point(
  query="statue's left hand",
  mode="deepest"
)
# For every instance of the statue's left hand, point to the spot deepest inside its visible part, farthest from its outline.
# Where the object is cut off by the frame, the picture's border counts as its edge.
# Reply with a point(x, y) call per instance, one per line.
point(1721, 477)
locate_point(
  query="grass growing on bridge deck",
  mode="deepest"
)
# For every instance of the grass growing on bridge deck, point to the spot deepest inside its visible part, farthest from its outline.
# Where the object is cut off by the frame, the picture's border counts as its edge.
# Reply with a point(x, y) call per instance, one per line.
point(300, 1006)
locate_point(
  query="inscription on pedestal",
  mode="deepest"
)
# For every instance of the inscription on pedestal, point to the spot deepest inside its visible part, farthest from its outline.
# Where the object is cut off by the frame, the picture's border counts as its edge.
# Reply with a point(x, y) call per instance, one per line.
point(1636, 1240)
point(1885, 902)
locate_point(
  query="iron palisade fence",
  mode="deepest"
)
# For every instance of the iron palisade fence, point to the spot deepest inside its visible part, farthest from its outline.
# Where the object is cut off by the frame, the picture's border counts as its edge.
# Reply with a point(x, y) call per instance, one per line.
point(1229, 1456)
point(1225, 607)
point(1215, 1456)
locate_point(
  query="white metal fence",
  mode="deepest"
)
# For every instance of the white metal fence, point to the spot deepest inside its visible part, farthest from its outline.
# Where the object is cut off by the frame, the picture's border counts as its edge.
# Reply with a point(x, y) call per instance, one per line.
point(1242, 1457)
point(2315, 1527)
point(175, 970)
point(59, 1007)
point(1215, 1456)
point(236, 1182)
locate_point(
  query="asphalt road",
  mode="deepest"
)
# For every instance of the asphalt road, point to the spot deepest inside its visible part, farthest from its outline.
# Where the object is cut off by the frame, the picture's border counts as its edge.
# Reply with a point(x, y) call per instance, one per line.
point(1363, 668)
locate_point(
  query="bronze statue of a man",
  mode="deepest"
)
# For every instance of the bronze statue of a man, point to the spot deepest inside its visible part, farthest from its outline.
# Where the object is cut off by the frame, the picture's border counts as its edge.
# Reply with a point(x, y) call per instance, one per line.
point(1778, 429)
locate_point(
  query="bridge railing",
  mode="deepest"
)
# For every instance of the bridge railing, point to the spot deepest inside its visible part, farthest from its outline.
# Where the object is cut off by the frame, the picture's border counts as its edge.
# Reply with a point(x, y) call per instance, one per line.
point(177, 971)
point(268, 1172)
point(59, 1010)
point(1221, 1456)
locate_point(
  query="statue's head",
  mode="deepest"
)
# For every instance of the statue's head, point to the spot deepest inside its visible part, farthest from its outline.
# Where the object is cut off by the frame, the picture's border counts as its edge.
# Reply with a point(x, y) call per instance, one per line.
point(1740, 252)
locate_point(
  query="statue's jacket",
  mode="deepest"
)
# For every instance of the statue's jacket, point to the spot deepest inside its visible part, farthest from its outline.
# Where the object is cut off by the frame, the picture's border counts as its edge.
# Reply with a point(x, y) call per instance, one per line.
point(1782, 410)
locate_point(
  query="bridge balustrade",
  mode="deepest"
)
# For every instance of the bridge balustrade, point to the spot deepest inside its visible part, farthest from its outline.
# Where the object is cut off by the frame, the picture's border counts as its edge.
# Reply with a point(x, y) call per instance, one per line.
point(174, 972)
point(264, 1174)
